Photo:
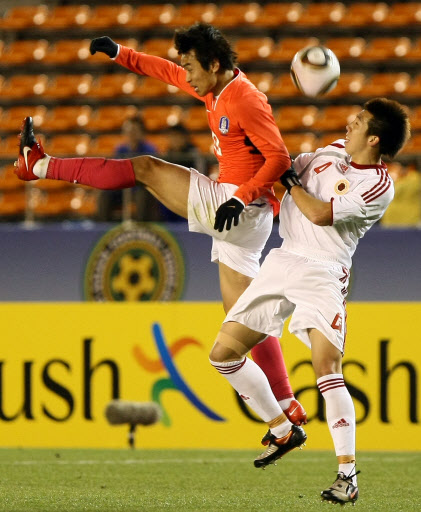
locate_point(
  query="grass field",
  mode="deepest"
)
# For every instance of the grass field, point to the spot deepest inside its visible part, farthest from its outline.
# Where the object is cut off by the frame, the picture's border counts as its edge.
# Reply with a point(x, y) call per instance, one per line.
point(213, 480)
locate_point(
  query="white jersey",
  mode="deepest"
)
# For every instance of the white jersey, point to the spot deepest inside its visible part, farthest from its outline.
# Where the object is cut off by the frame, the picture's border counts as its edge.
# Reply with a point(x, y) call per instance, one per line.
point(359, 195)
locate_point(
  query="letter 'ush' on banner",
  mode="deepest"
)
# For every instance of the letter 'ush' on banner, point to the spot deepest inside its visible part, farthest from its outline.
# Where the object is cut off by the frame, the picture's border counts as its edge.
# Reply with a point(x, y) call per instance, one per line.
point(64, 363)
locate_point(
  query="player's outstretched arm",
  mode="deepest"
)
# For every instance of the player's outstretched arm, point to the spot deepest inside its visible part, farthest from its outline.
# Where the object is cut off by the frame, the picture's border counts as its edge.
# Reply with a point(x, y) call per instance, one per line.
point(105, 45)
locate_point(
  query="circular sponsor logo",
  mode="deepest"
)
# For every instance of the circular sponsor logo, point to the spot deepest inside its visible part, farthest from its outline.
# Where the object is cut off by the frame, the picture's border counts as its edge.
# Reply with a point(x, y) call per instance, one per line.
point(342, 187)
point(137, 262)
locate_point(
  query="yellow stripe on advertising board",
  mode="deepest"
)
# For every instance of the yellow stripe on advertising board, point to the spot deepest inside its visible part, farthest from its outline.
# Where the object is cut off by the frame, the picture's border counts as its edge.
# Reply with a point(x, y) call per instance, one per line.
point(60, 364)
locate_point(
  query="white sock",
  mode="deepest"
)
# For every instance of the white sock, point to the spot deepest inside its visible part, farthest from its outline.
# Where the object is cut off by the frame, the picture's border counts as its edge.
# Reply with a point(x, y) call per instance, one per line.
point(285, 403)
point(248, 379)
point(349, 469)
point(41, 167)
point(340, 415)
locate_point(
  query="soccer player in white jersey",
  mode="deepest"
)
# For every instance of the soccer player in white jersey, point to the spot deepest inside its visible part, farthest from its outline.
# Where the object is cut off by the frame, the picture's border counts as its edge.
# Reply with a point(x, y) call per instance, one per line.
point(333, 197)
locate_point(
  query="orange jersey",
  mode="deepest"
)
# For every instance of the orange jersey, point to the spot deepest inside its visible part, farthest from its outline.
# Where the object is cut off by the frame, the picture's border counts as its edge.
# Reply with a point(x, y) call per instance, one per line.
point(247, 142)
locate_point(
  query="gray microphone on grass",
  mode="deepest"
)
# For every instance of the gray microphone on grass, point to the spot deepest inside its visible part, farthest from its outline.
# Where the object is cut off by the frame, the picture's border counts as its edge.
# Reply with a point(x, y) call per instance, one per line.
point(119, 412)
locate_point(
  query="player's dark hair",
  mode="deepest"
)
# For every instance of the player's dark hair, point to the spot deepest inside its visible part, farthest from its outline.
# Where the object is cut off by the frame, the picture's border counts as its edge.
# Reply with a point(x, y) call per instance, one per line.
point(390, 123)
point(208, 44)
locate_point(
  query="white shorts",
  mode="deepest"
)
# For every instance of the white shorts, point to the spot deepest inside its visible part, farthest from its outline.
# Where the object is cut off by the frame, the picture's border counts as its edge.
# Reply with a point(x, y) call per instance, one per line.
point(241, 247)
point(312, 291)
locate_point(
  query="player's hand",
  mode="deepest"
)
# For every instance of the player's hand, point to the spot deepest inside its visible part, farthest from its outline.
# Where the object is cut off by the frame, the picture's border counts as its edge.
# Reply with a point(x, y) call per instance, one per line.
point(290, 178)
point(104, 44)
point(228, 212)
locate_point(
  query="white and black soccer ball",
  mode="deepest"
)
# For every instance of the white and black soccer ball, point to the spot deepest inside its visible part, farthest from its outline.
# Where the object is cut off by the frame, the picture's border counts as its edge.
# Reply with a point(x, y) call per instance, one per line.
point(315, 70)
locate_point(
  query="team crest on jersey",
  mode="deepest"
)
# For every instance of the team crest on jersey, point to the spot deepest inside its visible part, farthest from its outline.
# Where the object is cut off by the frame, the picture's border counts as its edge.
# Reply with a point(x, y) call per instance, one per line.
point(342, 187)
point(224, 125)
point(343, 167)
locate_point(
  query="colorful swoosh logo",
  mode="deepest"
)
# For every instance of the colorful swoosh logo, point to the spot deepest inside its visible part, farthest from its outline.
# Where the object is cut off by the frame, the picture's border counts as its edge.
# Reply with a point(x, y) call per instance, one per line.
point(175, 380)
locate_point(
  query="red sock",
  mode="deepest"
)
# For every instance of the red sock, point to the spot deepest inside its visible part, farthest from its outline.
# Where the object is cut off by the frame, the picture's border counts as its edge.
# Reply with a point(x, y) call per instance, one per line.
point(103, 173)
point(268, 355)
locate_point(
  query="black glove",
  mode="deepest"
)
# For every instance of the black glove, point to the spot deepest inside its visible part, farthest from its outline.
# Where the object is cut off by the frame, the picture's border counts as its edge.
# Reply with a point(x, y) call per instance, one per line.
point(289, 179)
point(104, 44)
point(227, 212)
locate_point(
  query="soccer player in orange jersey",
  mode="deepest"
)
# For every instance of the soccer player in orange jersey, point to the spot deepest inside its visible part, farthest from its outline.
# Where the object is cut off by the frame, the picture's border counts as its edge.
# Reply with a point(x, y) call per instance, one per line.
point(237, 210)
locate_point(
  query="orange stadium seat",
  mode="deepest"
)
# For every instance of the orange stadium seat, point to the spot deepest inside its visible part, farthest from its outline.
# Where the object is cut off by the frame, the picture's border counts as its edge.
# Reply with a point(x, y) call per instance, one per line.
point(234, 14)
point(66, 118)
point(8, 179)
point(23, 86)
point(105, 145)
point(151, 16)
point(188, 14)
point(360, 14)
point(403, 14)
point(262, 80)
point(295, 117)
point(113, 85)
point(414, 87)
point(414, 53)
point(13, 203)
point(105, 16)
point(68, 86)
point(283, 87)
point(66, 51)
point(322, 14)
point(384, 84)
point(68, 145)
point(203, 142)
point(160, 141)
point(250, 49)
point(148, 87)
point(11, 119)
point(413, 145)
point(51, 185)
point(110, 117)
point(349, 84)
point(158, 118)
point(382, 48)
point(9, 147)
point(335, 117)
point(17, 18)
point(328, 138)
point(66, 16)
point(50, 203)
point(285, 49)
point(346, 47)
point(195, 119)
point(297, 143)
point(161, 48)
point(84, 202)
point(23, 52)
point(279, 14)
point(415, 118)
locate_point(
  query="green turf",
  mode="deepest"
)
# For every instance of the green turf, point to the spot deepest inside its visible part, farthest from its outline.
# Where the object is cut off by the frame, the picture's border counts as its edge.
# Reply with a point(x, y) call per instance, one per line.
point(62, 480)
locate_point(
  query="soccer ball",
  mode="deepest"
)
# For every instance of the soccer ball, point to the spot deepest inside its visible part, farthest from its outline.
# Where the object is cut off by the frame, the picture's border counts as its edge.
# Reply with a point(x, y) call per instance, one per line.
point(315, 70)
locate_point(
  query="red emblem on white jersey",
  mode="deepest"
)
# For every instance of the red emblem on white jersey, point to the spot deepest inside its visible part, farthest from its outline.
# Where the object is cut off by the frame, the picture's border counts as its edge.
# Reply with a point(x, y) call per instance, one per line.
point(343, 167)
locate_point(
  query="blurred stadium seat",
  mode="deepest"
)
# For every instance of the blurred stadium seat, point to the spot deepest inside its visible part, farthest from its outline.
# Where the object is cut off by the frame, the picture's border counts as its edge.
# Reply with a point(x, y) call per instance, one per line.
point(360, 14)
point(322, 14)
point(67, 145)
point(349, 84)
point(346, 47)
point(300, 142)
point(23, 52)
point(160, 47)
point(335, 117)
point(8, 179)
point(66, 118)
point(203, 142)
point(13, 203)
point(295, 117)
point(195, 119)
point(402, 14)
point(250, 49)
point(66, 51)
point(66, 16)
point(105, 16)
point(283, 87)
point(148, 87)
point(160, 117)
point(113, 85)
point(382, 48)
point(11, 118)
point(262, 80)
point(110, 117)
point(188, 14)
point(150, 16)
point(276, 14)
point(68, 86)
point(235, 14)
point(20, 17)
point(105, 145)
point(285, 49)
point(384, 84)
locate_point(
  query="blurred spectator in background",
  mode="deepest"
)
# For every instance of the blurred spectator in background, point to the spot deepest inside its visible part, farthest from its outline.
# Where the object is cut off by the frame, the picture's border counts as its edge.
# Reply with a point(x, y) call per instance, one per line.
point(405, 209)
point(181, 151)
point(111, 201)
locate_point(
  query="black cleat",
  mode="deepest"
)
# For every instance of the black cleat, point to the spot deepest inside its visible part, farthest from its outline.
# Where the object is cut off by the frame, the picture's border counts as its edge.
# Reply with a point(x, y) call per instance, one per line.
point(278, 447)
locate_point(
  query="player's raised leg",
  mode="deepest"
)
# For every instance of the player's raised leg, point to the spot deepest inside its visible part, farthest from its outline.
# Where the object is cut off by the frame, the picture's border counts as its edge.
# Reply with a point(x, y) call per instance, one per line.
point(169, 183)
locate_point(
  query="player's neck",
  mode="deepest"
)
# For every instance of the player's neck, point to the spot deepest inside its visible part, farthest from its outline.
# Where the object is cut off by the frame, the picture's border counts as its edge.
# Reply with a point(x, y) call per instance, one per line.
point(223, 80)
point(366, 157)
